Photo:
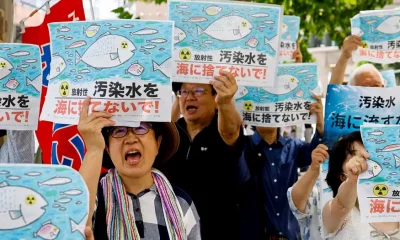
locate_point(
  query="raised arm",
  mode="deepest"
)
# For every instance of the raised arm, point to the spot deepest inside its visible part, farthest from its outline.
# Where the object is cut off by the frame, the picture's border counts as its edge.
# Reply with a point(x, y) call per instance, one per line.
point(304, 186)
point(335, 211)
point(90, 127)
point(229, 121)
point(350, 44)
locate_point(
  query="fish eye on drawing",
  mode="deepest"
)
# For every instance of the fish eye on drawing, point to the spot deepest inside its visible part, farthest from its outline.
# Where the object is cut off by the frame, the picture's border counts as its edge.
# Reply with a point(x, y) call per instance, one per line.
point(2, 64)
point(30, 200)
point(292, 79)
point(244, 24)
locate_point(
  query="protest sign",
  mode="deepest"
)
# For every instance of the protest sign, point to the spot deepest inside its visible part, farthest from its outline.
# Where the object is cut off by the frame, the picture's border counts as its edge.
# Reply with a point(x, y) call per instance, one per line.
point(284, 105)
point(121, 65)
point(380, 33)
point(389, 78)
point(242, 38)
point(42, 201)
point(347, 109)
point(20, 86)
point(289, 36)
point(379, 187)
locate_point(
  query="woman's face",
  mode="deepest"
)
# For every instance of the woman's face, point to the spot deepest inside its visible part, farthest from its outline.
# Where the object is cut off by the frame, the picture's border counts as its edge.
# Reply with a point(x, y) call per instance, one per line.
point(133, 155)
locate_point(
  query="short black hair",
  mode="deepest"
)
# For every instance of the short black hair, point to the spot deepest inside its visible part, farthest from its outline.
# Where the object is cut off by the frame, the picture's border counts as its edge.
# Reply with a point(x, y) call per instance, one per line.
point(176, 86)
point(337, 156)
point(3, 133)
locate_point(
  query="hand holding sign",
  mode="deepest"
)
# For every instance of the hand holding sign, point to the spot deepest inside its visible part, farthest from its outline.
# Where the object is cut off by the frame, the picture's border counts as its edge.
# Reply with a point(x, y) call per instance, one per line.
point(90, 127)
point(318, 109)
point(226, 88)
point(318, 156)
point(357, 164)
point(350, 44)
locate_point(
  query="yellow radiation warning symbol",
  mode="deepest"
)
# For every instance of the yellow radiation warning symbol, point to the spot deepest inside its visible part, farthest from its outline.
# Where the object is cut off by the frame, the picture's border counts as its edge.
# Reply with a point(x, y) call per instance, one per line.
point(248, 106)
point(185, 54)
point(30, 200)
point(364, 45)
point(64, 89)
point(380, 190)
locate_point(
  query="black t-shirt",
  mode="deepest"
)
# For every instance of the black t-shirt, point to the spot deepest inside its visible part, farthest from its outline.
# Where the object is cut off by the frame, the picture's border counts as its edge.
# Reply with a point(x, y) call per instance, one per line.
point(206, 168)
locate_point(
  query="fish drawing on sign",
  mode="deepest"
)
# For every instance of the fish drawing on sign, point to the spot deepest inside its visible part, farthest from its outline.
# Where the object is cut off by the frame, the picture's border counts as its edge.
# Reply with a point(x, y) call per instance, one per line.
point(164, 67)
point(127, 26)
point(372, 140)
point(373, 170)
point(397, 160)
point(389, 26)
point(68, 38)
point(268, 22)
point(303, 71)
point(196, 19)
point(179, 35)
point(56, 205)
point(157, 40)
point(57, 66)
point(13, 177)
point(227, 28)
point(380, 141)
point(357, 31)
point(107, 51)
point(5, 68)
point(55, 181)
point(76, 44)
point(72, 192)
point(144, 31)
point(135, 69)
point(29, 61)
point(47, 231)
point(212, 10)
point(92, 30)
point(4, 172)
point(64, 29)
point(84, 71)
point(149, 46)
point(183, 6)
point(299, 93)
point(19, 54)
point(389, 148)
point(11, 84)
point(17, 211)
point(64, 200)
point(286, 84)
point(253, 42)
point(371, 21)
point(62, 209)
point(78, 226)
point(34, 82)
point(260, 15)
point(33, 174)
point(113, 28)
point(376, 132)
point(285, 28)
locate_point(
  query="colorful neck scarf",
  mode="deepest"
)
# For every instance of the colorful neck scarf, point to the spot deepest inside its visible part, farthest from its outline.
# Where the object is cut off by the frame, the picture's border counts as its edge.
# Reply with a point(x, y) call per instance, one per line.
point(119, 217)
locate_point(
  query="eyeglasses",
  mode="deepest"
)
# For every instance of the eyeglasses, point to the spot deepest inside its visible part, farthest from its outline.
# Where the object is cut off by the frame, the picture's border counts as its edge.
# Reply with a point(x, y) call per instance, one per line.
point(120, 132)
point(197, 92)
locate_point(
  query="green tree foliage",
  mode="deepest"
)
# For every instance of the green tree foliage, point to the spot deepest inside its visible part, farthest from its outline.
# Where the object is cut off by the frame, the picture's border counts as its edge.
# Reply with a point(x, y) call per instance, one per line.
point(320, 16)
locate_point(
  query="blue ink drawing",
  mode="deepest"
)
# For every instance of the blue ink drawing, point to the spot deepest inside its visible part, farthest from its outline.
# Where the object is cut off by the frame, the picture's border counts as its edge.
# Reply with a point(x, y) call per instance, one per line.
point(42, 201)
point(295, 83)
point(389, 78)
point(20, 69)
point(206, 28)
point(127, 49)
point(289, 36)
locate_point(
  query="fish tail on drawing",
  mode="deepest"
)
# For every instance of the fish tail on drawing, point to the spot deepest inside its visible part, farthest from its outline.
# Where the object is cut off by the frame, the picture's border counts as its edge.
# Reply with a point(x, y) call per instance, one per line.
point(156, 66)
point(200, 31)
point(78, 58)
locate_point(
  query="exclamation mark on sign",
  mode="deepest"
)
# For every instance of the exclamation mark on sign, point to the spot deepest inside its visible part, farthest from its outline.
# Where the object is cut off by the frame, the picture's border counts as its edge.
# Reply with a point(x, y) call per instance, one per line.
point(26, 116)
point(265, 73)
point(157, 102)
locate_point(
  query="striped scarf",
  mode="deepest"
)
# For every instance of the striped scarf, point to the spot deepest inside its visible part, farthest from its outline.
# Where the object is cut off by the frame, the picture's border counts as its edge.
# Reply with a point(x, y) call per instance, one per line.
point(119, 217)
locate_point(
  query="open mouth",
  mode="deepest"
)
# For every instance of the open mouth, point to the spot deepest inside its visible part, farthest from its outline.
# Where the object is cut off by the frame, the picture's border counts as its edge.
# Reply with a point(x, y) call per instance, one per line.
point(133, 157)
point(191, 108)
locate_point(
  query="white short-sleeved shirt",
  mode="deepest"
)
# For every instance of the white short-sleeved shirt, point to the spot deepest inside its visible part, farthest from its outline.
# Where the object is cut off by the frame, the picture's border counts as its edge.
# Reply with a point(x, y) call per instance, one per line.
point(309, 221)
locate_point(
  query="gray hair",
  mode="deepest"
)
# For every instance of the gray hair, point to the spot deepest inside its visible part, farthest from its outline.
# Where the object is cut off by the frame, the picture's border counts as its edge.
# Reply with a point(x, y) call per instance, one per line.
point(363, 68)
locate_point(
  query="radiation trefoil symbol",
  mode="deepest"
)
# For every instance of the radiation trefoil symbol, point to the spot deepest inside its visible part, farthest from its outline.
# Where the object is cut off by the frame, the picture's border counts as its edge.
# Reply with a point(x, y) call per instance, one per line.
point(64, 89)
point(380, 190)
point(248, 106)
point(185, 54)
